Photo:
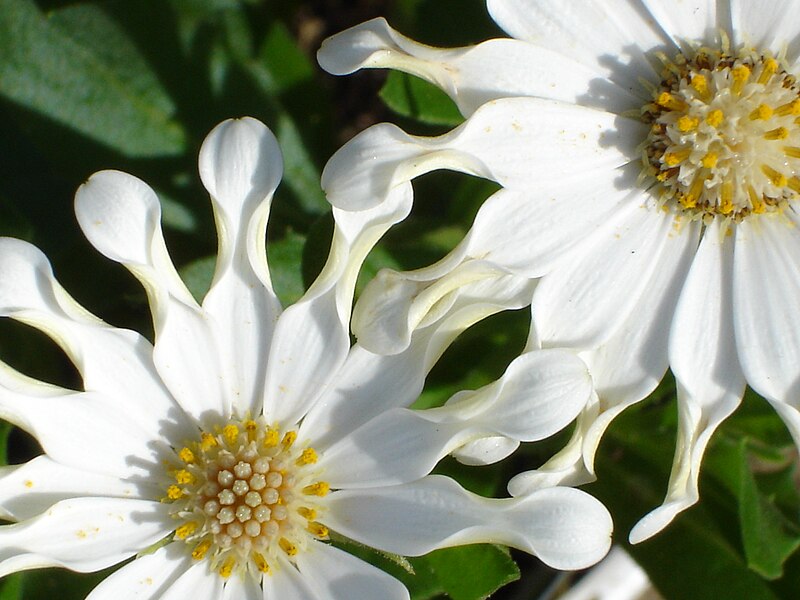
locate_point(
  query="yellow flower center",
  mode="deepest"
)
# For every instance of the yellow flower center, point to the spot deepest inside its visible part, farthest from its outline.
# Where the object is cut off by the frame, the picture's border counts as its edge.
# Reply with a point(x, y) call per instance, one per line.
point(244, 493)
point(724, 134)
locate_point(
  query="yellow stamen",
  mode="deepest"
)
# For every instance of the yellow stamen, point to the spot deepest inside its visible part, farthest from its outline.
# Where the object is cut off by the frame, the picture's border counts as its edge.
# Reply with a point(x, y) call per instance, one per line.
point(186, 455)
point(287, 546)
point(710, 160)
point(776, 178)
point(174, 492)
point(791, 151)
point(207, 441)
point(288, 439)
point(669, 101)
point(321, 488)
point(770, 68)
point(695, 190)
point(794, 184)
point(271, 437)
point(726, 197)
point(790, 108)
point(251, 428)
point(308, 457)
point(686, 123)
point(226, 569)
point(200, 550)
point(763, 112)
point(715, 118)
point(318, 529)
point(231, 433)
point(779, 133)
point(261, 562)
point(672, 159)
point(183, 477)
point(700, 85)
point(307, 513)
point(741, 74)
point(756, 201)
point(185, 530)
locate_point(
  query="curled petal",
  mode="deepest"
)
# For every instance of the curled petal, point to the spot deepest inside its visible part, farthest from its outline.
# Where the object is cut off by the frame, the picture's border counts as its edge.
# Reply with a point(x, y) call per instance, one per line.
point(517, 142)
point(566, 528)
point(241, 165)
point(473, 75)
point(83, 534)
point(120, 216)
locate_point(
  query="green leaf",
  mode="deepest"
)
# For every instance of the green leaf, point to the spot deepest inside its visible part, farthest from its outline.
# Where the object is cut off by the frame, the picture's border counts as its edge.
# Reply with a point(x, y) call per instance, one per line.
point(5, 429)
point(473, 572)
point(767, 536)
point(417, 99)
point(197, 276)
point(285, 258)
point(12, 587)
point(79, 70)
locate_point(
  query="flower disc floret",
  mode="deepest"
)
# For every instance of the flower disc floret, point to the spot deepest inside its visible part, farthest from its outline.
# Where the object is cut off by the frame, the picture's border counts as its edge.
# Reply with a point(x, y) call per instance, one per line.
point(724, 137)
point(244, 493)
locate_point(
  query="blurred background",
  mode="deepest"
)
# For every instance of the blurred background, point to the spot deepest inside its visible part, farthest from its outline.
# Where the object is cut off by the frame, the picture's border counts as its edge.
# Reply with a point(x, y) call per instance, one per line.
point(135, 85)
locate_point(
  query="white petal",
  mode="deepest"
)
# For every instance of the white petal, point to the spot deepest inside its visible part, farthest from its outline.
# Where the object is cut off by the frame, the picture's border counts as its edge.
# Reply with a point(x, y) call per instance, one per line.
point(115, 362)
point(517, 142)
point(242, 587)
point(83, 534)
point(564, 527)
point(241, 165)
point(689, 22)
point(473, 75)
point(611, 36)
point(584, 301)
point(147, 577)
point(485, 450)
point(527, 231)
point(120, 214)
point(702, 354)
point(198, 582)
point(286, 583)
point(337, 575)
point(29, 489)
point(771, 29)
point(99, 438)
point(766, 275)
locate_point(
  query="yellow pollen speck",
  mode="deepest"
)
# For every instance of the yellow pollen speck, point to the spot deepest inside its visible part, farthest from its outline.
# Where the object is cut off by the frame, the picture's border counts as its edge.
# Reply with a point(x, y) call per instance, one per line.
point(174, 492)
point(271, 438)
point(790, 108)
point(231, 433)
point(321, 488)
point(308, 457)
point(776, 178)
point(715, 118)
point(28, 483)
point(261, 562)
point(763, 112)
point(669, 101)
point(779, 133)
point(741, 74)
point(791, 151)
point(207, 441)
point(770, 68)
point(794, 184)
point(186, 455)
point(183, 477)
point(227, 567)
point(700, 85)
point(318, 529)
point(710, 160)
point(200, 550)
point(307, 513)
point(288, 439)
point(686, 123)
point(185, 530)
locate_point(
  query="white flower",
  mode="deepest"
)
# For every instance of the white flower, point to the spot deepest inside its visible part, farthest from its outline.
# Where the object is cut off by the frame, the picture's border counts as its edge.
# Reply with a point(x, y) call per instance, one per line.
point(225, 454)
point(650, 157)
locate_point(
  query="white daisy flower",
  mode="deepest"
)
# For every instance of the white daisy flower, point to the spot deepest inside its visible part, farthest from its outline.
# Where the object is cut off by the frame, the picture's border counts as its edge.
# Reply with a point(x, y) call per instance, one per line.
point(649, 152)
point(223, 457)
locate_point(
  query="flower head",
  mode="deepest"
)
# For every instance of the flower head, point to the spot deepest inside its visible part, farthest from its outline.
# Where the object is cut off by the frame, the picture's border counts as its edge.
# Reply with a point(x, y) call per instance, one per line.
point(228, 454)
point(648, 153)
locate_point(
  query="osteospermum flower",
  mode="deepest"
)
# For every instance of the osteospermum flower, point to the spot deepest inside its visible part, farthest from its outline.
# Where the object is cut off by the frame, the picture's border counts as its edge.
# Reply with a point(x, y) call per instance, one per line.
point(650, 155)
point(228, 454)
